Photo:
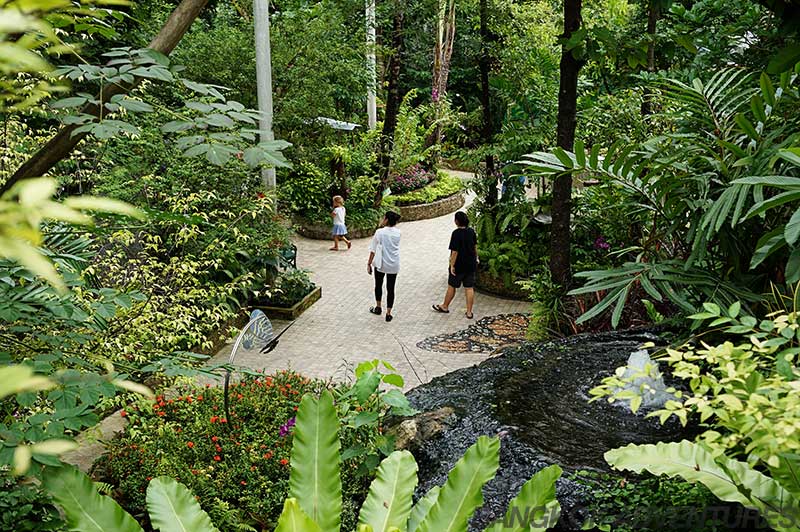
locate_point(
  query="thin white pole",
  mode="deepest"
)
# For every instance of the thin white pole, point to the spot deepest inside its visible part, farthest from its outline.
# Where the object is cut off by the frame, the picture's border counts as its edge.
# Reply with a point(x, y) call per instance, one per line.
point(372, 107)
point(264, 80)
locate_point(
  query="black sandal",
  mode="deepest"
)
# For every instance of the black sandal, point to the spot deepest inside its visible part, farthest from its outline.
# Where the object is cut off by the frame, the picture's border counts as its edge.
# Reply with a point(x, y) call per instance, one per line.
point(375, 310)
point(389, 317)
point(469, 315)
point(438, 308)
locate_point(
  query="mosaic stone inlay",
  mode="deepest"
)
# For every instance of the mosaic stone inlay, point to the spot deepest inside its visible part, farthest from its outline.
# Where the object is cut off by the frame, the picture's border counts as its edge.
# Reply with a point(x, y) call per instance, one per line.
point(485, 336)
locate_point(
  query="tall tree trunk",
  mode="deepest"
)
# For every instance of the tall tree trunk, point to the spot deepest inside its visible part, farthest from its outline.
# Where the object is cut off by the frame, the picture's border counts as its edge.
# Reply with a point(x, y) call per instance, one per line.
point(392, 101)
point(264, 81)
point(488, 120)
point(442, 54)
point(372, 83)
point(62, 144)
point(653, 14)
point(562, 186)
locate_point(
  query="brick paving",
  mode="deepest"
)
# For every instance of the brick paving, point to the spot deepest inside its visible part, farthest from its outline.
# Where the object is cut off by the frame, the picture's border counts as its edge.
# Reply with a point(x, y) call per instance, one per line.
point(338, 332)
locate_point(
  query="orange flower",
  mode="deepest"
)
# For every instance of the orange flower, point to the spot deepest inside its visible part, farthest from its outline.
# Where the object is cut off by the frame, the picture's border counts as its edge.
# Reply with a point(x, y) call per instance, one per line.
point(268, 455)
point(217, 458)
point(189, 444)
point(284, 461)
point(123, 413)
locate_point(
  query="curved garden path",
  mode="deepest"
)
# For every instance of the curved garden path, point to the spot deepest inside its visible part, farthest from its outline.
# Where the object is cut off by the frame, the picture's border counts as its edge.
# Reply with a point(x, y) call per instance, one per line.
point(338, 332)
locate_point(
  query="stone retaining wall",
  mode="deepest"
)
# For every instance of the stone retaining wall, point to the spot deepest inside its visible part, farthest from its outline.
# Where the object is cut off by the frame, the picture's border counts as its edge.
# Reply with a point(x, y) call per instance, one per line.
point(410, 213)
point(323, 232)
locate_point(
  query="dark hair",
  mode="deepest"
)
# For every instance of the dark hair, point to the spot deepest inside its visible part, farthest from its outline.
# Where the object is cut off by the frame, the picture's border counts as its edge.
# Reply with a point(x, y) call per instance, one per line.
point(392, 218)
point(461, 219)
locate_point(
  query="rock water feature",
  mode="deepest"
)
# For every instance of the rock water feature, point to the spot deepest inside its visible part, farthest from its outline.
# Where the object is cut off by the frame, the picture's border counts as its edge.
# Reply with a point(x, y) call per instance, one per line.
point(535, 396)
point(645, 380)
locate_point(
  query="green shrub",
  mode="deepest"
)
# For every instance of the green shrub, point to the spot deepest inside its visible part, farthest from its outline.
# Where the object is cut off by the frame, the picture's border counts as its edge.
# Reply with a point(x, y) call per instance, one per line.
point(742, 388)
point(288, 288)
point(24, 507)
point(361, 195)
point(238, 467)
point(445, 185)
point(306, 191)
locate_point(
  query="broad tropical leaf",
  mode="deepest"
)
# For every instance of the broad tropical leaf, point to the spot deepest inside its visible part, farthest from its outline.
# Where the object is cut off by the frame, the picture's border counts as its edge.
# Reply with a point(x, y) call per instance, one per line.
point(314, 479)
point(730, 480)
point(294, 519)
point(462, 493)
point(173, 508)
point(390, 495)
point(535, 508)
point(85, 509)
point(421, 509)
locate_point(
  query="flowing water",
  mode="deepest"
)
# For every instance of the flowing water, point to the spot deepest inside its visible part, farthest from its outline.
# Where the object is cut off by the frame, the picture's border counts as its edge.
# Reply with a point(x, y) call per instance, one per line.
point(536, 398)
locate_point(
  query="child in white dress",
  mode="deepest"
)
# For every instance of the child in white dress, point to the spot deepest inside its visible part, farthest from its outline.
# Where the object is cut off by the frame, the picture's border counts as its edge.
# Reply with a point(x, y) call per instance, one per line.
point(339, 228)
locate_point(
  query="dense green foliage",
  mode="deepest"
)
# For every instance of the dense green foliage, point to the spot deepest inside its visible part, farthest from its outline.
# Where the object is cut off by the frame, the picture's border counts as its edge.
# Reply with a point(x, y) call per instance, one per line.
point(697, 194)
point(443, 186)
point(688, 162)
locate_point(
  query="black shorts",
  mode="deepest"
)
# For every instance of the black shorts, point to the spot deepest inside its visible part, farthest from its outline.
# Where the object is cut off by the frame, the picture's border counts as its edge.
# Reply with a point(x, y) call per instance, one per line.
point(467, 279)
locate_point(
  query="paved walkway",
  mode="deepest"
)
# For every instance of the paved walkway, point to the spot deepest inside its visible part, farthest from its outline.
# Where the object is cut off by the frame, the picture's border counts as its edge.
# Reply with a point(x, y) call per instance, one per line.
point(338, 332)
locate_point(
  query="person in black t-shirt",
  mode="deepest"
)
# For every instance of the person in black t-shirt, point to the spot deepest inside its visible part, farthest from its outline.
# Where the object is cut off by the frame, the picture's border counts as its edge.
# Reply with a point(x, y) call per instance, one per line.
point(463, 264)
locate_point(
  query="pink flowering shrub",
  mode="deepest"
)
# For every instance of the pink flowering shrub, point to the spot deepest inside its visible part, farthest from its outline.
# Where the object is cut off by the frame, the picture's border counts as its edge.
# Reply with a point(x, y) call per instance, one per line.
point(411, 178)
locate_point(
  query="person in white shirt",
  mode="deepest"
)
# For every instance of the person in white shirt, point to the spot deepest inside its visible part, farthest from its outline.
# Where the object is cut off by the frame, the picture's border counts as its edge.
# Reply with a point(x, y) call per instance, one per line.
point(339, 228)
point(384, 255)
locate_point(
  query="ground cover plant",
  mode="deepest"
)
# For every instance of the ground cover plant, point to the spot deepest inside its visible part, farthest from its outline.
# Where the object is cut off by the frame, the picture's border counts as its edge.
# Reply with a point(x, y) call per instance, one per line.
point(442, 186)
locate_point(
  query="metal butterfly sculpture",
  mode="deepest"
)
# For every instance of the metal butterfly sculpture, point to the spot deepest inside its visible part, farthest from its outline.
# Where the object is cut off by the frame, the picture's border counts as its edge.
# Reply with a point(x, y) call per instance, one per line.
point(258, 334)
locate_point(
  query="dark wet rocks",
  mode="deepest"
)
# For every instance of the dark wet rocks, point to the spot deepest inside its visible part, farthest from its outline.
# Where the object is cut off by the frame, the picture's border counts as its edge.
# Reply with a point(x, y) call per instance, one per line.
point(535, 397)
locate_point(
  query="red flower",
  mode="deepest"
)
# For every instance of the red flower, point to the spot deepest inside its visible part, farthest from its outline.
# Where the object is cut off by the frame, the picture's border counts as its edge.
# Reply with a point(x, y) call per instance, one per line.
point(284, 461)
point(189, 444)
point(123, 413)
point(149, 479)
point(217, 458)
point(244, 483)
point(214, 419)
point(218, 448)
point(268, 455)
point(214, 438)
point(188, 399)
